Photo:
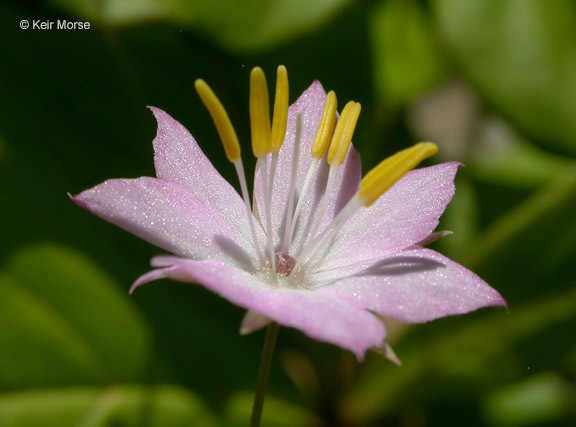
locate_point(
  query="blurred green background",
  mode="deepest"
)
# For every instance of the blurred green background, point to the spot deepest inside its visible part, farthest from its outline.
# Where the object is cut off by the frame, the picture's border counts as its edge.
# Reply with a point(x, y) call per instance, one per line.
point(493, 82)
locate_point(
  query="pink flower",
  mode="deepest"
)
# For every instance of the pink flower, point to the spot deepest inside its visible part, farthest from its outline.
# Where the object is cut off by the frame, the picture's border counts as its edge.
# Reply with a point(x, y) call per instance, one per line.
point(329, 278)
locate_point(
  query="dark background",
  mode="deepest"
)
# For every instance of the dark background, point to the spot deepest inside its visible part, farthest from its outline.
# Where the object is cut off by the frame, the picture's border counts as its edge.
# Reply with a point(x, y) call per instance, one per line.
point(492, 82)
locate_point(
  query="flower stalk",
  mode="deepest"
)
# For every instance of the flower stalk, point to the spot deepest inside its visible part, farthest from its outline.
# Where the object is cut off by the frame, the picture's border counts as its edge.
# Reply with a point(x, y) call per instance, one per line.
point(264, 373)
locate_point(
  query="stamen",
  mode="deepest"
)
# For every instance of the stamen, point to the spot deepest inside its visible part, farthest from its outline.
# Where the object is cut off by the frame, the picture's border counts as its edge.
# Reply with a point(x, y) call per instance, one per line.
point(280, 119)
point(372, 186)
point(343, 133)
point(221, 120)
point(336, 154)
point(326, 128)
point(259, 113)
point(390, 170)
point(231, 147)
point(319, 147)
point(260, 129)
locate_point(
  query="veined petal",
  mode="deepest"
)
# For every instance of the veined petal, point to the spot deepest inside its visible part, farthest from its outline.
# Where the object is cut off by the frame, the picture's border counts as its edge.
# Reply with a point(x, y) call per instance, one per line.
point(170, 217)
point(406, 214)
point(318, 316)
point(310, 106)
point(178, 158)
point(414, 286)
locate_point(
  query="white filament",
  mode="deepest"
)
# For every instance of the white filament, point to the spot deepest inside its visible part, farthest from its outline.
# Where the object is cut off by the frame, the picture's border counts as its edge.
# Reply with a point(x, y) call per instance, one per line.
point(242, 178)
point(290, 233)
point(326, 236)
point(262, 161)
point(290, 219)
point(317, 219)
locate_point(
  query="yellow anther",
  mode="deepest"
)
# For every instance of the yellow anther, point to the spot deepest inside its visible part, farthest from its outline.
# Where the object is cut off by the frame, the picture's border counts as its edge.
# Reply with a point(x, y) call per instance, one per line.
point(343, 133)
point(221, 120)
point(280, 109)
point(390, 170)
point(326, 128)
point(259, 113)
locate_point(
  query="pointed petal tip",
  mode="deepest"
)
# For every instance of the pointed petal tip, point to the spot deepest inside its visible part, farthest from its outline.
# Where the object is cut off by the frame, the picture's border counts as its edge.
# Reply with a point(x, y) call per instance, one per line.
point(148, 277)
point(437, 235)
point(316, 85)
point(79, 200)
point(163, 118)
point(501, 302)
point(73, 198)
point(386, 350)
point(139, 282)
point(455, 164)
point(360, 349)
point(252, 322)
point(316, 90)
point(492, 298)
point(495, 299)
point(360, 355)
point(158, 113)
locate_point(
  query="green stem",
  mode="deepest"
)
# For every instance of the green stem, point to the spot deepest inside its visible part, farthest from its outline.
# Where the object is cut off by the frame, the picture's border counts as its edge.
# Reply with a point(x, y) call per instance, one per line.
point(264, 373)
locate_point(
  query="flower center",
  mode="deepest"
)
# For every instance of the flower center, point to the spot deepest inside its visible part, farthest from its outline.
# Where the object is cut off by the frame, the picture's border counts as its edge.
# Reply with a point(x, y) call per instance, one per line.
point(331, 144)
point(284, 264)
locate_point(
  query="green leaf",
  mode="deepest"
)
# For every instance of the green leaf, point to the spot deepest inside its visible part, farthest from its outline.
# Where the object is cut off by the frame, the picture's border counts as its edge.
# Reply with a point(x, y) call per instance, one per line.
point(540, 399)
point(91, 407)
point(276, 413)
point(68, 322)
point(407, 59)
point(521, 55)
point(519, 165)
point(533, 244)
point(241, 25)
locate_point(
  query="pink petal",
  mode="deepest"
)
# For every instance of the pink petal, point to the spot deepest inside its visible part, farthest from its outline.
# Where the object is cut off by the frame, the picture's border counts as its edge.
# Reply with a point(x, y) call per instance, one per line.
point(414, 286)
point(406, 214)
point(310, 106)
point(169, 217)
point(178, 158)
point(318, 316)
